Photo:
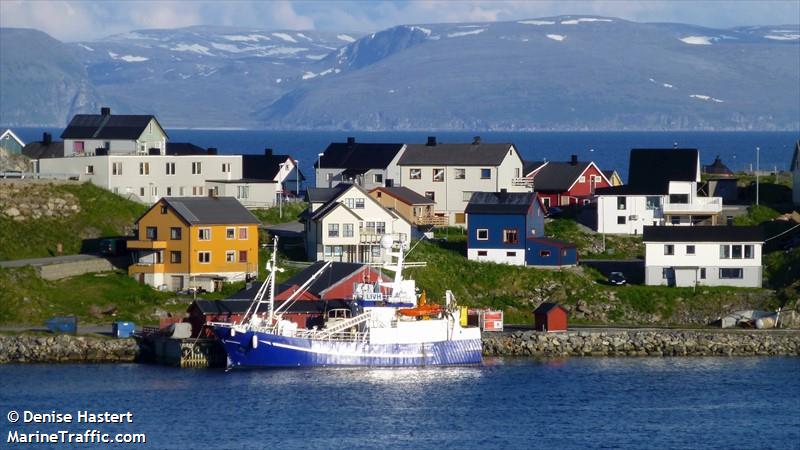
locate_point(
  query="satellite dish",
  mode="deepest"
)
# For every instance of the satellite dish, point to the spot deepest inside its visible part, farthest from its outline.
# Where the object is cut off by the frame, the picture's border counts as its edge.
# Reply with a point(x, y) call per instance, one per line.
point(386, 242)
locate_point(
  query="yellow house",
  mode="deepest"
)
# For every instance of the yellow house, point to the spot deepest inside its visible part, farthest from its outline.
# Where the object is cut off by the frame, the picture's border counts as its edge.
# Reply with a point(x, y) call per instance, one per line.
point(195, 242)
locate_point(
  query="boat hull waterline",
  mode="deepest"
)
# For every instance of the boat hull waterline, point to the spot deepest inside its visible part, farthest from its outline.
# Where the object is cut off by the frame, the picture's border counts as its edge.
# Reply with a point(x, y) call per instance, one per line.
point(282, 351)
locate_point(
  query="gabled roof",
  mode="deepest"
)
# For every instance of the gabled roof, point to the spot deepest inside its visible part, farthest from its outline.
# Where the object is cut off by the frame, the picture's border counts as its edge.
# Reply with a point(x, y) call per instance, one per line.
point(500, 202)
point(610, 174)
point(328, 208)
point(239, 305)
point(559, 176)
point(702, 234)
point(795, 165)
point(651, 170)
point(545, 308)
point(474, 154)
point(184, 148)
point(531, 166)
point(40, 150)
point(336, 273)
point(107, 126)
point(405, 195)
point(208, 210)
point(324, 195)
point(356, 155)
point(9, 133)
point(717, 168)
point(265, 167)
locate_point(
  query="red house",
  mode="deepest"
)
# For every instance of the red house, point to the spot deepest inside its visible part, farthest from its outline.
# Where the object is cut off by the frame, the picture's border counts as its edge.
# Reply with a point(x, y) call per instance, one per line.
point(565, 183)
point(550, 317)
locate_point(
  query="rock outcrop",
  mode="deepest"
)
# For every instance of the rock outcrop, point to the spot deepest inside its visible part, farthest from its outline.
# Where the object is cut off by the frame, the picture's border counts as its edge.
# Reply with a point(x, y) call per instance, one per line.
point(66, 349)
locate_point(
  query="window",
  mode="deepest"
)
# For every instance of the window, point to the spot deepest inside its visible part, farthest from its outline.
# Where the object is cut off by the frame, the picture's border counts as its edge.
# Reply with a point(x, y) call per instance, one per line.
point(675, 220)
point(154, 191)
point(226, 167)
point(199, 190)
point(482, 234)
point(164, 209)
point(159, 257)
point(243, 233)
point(703, 273)
point(144, 168)
point(359, 203)
point(175, 233)
point(415, 174)
point(151, 233)
point(546, 202)
point(466, 196)
point(544, 253)
point(690, 249)
point(653, 202)
point(204, 257)
point(679, 198)
point(243, 192)
point(731, 273)
point(169, 191)
point(511, 253)
point(230, 233)
point(486, 174)
point(77, 147)
point(175, 257)
point(622, 203)
point(230, 256)
point(197, 168)
point(242, 256)
point(181, 191)
point(582, 179)
point(170, 168)
point(460, 174)
point(748, 252)
point(460, 218)
point(89, 170)
point(430, 194)
point(510, 236)
point(141, 192)
point(725, 252)
point(669, 249)
point(380, 227)
point(438, 175)
point(481, 252)
point(333, 230)
point(376, 251)
point(116, 168)
point(620, 220)
point(736, 251)
point(204, 234)
point(347, 230)
point(377, 178)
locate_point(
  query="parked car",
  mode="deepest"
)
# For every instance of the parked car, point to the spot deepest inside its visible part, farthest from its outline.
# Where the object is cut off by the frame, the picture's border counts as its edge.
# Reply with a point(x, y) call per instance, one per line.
point(617, 279)
point(555, 211)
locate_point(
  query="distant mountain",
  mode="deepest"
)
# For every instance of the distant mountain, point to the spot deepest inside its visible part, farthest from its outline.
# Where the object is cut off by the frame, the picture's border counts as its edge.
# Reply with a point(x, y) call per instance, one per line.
point(557, 73)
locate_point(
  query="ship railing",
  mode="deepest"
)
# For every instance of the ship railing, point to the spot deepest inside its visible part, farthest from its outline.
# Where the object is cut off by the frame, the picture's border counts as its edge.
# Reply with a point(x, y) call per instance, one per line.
point(350, 336)
point(344, 325)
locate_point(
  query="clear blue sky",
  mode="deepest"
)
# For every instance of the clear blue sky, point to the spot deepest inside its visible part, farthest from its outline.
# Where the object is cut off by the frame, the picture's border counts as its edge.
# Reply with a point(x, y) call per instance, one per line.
point(85, 20)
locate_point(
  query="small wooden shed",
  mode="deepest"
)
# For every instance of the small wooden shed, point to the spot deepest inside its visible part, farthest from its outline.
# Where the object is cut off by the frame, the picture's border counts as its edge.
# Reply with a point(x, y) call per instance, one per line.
point(550, 317)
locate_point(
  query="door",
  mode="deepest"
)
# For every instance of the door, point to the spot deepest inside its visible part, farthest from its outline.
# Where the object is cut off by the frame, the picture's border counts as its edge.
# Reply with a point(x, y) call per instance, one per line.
point(217, 285)
point(176, 283)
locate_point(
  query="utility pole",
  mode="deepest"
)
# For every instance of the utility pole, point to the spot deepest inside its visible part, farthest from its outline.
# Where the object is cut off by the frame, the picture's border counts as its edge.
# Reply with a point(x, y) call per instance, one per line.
point(297, 177)
point(758, 151)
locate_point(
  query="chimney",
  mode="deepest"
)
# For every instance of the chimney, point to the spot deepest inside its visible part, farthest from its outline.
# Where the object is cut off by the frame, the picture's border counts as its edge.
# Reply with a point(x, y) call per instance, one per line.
point(351, 140)
point(476, 140)
point(47, 138)
point(212, 150)
point(431, 141)
point(105, 111)
point(267, 152)
point(574, 160)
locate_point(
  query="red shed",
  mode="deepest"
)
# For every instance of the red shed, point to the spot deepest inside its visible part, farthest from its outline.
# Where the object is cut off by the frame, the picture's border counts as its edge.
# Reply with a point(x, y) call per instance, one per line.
point(550, 317)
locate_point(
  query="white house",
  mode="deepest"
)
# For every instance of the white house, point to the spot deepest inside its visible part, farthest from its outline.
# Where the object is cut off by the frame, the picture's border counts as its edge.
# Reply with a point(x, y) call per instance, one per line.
point(368, 165)
point(345, 223)
point(703, 255)
point(662, 189)
point(795, 169)
point(449, 173)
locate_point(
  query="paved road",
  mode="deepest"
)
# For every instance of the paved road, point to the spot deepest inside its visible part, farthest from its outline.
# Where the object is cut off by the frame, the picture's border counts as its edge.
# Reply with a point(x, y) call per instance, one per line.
point(633, 269)
point(82, 329)
point(47, 261)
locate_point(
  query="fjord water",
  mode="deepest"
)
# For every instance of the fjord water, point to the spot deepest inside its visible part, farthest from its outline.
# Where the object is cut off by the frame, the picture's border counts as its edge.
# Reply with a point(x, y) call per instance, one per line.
point(578, 403)
point(609, 149)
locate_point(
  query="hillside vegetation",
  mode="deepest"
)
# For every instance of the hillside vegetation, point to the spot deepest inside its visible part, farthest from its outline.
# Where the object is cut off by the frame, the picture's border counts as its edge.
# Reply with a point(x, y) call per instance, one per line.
point(36, 216)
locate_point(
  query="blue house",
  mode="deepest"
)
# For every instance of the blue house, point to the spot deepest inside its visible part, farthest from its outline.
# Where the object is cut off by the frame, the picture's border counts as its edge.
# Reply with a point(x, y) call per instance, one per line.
point(506, 227)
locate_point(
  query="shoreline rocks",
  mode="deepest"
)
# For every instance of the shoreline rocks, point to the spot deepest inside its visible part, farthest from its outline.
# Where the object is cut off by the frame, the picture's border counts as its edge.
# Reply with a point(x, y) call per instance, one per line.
point(643, 343)
point(66, 349)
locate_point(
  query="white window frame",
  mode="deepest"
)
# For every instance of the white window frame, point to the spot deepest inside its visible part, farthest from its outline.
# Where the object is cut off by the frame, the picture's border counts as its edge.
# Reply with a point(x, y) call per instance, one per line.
point(239, 233)
point(200, 257)
point(230, 233)
point(415, 174)
point(478, 234)
point(204, 234)
point(437, 175)
point(230, 256)
point(460, 173)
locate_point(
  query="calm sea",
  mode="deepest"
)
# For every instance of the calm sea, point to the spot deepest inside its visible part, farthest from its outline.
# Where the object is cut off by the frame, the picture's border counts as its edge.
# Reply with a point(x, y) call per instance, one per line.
point(579, 403)
point(609, 149)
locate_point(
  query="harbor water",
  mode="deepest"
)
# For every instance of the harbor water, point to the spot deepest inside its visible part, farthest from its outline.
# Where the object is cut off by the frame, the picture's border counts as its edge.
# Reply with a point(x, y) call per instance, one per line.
point(579, 403)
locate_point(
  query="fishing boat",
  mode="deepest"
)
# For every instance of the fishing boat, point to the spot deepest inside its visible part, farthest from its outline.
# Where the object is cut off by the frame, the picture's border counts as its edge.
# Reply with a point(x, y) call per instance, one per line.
point(388, 326)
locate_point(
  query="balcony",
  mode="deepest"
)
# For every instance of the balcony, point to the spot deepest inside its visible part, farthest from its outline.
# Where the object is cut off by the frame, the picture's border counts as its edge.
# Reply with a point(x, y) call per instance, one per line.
point(522, 182)
point(699, 205)
point(147, 245)
point(432, 220)
point(145, 268)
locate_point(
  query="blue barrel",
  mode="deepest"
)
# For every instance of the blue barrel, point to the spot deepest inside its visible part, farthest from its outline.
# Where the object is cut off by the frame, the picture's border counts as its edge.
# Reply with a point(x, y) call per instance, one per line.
point(62, 324)
point(123, 329)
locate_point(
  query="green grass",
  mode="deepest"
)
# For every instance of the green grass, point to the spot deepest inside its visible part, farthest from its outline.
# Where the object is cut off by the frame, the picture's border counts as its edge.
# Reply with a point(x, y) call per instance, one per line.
point(590, 244)
point(102, 214)
point(289, 212)
point(756, 215)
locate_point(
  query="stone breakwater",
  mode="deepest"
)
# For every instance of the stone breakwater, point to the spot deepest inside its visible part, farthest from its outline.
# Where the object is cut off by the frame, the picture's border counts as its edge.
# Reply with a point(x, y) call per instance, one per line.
point(643, 343)
point(66, 349)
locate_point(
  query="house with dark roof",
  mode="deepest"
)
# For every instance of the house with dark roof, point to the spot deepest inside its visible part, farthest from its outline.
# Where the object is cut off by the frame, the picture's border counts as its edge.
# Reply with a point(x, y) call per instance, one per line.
point(44, 149)
point(566, 183)
point(721, 181)
point(345, 223)
point(415, 208)
point(114, 134)
point(508, 228)
point(266, 180)
point(794, 167)
point(663, 189)
point(195, 242)
point(703, 256)
point(367, 164)
point(11, 143)
point(448, 174)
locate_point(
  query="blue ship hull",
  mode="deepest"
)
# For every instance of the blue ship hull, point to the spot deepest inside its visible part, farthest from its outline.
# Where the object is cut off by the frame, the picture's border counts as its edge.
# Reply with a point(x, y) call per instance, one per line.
point(281, 351)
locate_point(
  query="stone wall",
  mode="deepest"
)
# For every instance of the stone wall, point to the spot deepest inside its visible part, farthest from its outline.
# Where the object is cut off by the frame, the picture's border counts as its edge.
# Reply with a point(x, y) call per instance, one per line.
point(643, 343)
point(25, 200)
point(66, 349)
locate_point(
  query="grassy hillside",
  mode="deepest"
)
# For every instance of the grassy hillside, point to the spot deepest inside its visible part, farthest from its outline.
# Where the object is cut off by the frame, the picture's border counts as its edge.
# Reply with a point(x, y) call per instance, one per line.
point(99, 213)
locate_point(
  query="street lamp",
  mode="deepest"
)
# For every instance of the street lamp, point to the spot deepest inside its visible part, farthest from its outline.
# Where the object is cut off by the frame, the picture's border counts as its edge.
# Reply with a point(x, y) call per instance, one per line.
point(319, 166)
point(758, 151)
point(297, 177)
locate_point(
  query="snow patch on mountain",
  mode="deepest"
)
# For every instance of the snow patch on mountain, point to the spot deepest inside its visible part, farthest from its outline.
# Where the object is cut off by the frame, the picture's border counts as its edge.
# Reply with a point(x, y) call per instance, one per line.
point(583, 19)
point(285, 37)
point(537, 22)
point(697, 40)
point(303, 36)
point(316, 57)
point(245, 38)
point(193, 48)
point(228, 48)
point(426, 31)
point(706, 98)
point(272, 51)
point(556, 37)
point(86, 47)
point(783, 37)
point(127, 58)
point(465, 33)
point(347, 38)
